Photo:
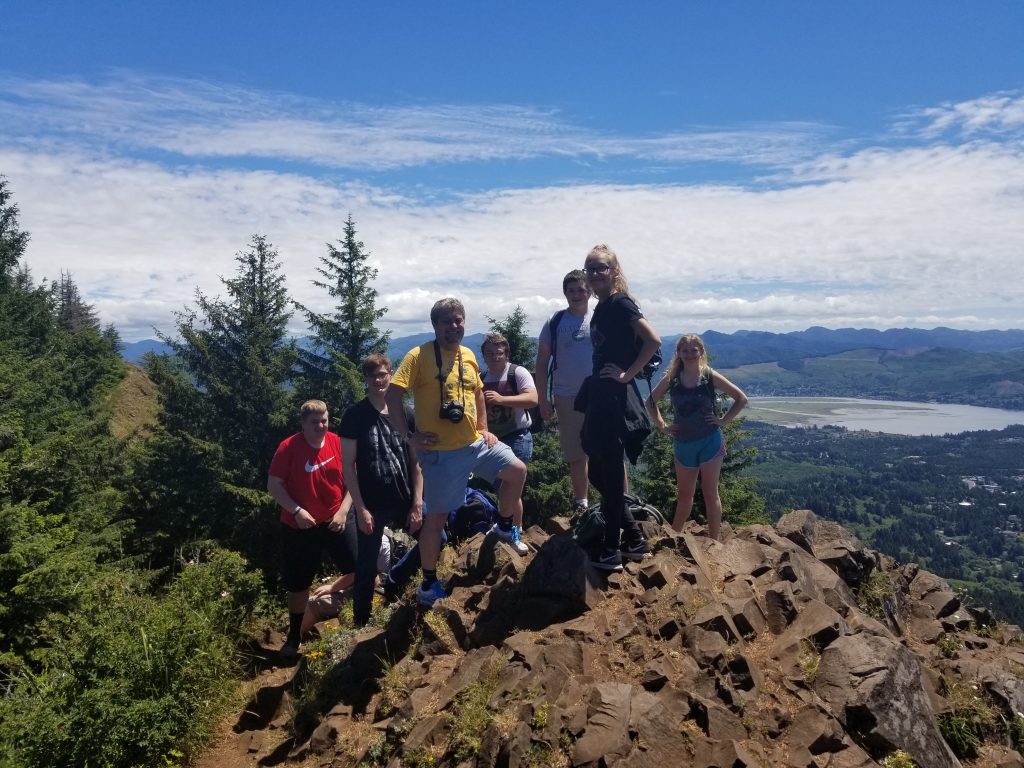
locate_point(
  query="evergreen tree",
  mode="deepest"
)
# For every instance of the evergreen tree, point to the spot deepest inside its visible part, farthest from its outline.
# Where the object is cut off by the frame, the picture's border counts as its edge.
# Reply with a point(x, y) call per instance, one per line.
point(12, 240)
point(73, 314)
point(226, 405)
point(521, 349)
point(26, 313)
point(343, 337)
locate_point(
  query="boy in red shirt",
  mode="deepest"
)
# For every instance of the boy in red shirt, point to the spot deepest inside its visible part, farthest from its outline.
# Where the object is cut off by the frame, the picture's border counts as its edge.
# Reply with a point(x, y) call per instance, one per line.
point(306, 480)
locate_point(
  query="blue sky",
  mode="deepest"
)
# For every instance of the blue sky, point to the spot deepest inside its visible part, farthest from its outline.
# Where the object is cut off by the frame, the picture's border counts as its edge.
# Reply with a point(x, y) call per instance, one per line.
point(766, 166)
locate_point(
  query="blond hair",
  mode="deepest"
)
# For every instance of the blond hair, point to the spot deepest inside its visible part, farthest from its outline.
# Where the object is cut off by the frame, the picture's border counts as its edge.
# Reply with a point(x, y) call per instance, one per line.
point(312, 406)
point(619, 278)
point(677, 361)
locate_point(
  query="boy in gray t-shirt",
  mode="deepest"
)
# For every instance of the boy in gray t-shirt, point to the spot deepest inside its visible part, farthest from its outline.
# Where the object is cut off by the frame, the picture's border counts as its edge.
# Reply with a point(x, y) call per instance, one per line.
point(567, 357)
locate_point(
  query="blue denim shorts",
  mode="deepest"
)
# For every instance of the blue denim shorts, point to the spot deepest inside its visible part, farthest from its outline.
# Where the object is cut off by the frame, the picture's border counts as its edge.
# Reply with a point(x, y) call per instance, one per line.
point(693, 453)
point(445, 473)
point(521, 443)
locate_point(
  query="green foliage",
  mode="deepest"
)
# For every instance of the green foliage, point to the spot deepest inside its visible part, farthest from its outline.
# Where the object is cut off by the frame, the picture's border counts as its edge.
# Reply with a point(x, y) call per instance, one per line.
point(347, 334)
point(902, 496)
point(875, 594)
point(225, 406)
point(521, 349)
point(130, 676)
point(898, 759)
point(971, 717)
point(548, 488)
point(471, 716)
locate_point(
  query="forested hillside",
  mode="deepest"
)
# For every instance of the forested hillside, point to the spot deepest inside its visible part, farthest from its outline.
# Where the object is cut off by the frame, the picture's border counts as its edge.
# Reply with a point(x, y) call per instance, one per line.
point(954, 504)
point(945, 375)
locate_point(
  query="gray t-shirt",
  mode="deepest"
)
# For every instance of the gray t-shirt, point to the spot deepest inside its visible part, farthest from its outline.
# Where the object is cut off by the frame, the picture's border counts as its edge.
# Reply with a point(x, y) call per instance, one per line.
point(573, 352)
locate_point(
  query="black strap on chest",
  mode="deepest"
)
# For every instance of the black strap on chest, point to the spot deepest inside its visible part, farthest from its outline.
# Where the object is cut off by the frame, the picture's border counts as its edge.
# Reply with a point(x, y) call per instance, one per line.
point(441, 377)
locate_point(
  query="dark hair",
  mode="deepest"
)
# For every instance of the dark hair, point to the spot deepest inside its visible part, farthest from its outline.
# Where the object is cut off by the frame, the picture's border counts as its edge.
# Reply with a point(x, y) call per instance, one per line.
point(496, 339)
point(444, 307)
point(576, 276)
point(372, 362)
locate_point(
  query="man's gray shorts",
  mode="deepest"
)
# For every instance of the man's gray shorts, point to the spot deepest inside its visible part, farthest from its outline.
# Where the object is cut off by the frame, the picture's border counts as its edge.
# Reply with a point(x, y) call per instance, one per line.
point(445, 473)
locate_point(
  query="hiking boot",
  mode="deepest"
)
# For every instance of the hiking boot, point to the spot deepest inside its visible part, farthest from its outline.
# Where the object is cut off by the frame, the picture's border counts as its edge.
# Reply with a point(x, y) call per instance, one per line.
point(517, 541)
point(427, 597)
point(640, 550)
point(289, 651)
point(608, 560)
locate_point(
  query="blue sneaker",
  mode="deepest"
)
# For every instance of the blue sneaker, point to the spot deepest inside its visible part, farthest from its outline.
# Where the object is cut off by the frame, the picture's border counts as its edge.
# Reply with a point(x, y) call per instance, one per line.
point(517, 541)
point(427, 597)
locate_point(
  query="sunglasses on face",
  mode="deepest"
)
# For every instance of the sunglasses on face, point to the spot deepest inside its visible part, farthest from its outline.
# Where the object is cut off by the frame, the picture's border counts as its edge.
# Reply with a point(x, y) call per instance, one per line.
point(597, 269)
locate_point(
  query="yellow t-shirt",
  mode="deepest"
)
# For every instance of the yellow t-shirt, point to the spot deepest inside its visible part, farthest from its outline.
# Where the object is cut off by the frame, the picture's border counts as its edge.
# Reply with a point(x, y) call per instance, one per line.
point(418, 374)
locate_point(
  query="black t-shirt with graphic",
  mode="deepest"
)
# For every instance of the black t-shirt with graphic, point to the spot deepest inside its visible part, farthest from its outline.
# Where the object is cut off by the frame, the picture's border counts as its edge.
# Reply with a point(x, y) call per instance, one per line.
point(612, 334)
point(381, 462)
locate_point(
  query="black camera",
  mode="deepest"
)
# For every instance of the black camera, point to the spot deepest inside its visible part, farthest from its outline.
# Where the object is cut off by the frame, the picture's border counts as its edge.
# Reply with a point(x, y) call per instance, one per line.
point(452, 411)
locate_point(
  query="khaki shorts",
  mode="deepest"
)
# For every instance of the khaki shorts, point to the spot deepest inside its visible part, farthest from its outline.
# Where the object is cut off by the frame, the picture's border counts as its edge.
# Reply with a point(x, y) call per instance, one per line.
point(570, 425)
point(328, 606)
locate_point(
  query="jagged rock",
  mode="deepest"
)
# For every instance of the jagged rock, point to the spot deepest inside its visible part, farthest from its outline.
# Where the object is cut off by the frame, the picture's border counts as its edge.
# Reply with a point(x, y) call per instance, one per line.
point(704, 655)
point(425, 733)
point(747, 616)
point(606, 733)
point(779, 606)
point(931, 597)
point(561, 571)
point(716, 721)
point(739, 557)
point(873, 684)
point(830, 543)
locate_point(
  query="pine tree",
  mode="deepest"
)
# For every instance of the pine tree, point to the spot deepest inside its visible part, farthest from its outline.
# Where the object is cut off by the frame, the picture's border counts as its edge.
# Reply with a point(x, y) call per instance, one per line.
point(226, 404)
point(343, 337)
point(73, 314)
point(26, 316)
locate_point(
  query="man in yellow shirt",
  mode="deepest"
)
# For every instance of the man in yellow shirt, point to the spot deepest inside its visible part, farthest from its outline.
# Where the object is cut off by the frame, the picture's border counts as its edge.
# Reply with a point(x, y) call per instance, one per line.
point(452, 440)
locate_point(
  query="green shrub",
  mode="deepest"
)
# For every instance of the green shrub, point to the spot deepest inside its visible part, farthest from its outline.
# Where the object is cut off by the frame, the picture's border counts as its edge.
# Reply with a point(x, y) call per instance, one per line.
point(130, 676)
point(971, 718)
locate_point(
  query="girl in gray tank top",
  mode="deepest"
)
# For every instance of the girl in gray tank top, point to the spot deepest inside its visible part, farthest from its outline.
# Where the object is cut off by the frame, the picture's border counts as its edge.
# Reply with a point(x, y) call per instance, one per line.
point(696, 429)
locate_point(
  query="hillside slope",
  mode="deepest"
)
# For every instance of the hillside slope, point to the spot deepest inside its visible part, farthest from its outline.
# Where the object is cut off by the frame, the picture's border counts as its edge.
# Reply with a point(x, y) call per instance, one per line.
point(785, 646)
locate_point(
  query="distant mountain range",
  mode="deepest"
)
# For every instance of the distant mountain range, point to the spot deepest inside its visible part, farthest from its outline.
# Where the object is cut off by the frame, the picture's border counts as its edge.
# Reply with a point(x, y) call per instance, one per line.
point(729, 350)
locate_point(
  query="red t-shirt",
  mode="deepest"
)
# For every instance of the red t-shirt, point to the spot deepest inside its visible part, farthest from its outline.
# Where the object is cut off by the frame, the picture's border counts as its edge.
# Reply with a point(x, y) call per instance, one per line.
point(312, 476)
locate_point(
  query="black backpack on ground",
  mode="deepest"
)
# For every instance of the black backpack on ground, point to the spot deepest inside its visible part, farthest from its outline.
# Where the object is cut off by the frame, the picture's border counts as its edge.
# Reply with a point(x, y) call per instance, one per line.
point(476, 515)
point(588, 525)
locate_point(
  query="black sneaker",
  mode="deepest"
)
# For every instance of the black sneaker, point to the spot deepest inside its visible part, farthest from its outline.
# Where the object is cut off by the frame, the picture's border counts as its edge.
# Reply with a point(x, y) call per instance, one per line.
point(608, 560)
point(289, 651)
point(578, 508)
point(641, 550)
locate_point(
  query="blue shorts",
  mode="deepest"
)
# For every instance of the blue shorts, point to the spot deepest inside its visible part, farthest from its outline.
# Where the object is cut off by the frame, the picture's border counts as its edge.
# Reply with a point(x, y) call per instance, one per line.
point(445, 473)
point(693, 453)
point(521, 443)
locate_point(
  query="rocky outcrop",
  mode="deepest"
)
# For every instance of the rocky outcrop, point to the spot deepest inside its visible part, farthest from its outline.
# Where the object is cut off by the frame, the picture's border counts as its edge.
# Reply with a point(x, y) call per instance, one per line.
point(790, 646)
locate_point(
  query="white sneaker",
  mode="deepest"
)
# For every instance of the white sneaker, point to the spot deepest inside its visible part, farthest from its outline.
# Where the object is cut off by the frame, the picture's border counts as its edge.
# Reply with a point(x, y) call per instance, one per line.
point(517, 541)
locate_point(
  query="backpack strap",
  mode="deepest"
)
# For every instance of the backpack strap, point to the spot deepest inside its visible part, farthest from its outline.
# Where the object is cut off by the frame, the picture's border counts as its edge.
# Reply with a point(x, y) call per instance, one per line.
point(553, 333)
point(512, 378)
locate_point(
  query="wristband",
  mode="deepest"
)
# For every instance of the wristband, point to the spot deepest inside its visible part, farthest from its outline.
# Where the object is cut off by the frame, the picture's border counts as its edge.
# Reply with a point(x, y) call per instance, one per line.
point(295, 511)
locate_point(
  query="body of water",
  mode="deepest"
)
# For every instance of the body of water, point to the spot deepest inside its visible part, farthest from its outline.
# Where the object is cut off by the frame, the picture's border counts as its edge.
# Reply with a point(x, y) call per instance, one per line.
point(891, 416)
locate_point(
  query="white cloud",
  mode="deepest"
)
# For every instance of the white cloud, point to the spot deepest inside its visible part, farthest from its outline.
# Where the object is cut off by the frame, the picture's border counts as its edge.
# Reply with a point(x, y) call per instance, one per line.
point(207, 120)
point(998, 113)
point(922, 235)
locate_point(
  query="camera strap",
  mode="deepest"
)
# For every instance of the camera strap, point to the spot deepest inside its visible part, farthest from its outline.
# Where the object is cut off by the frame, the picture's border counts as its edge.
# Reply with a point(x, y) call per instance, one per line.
point(441, 377)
